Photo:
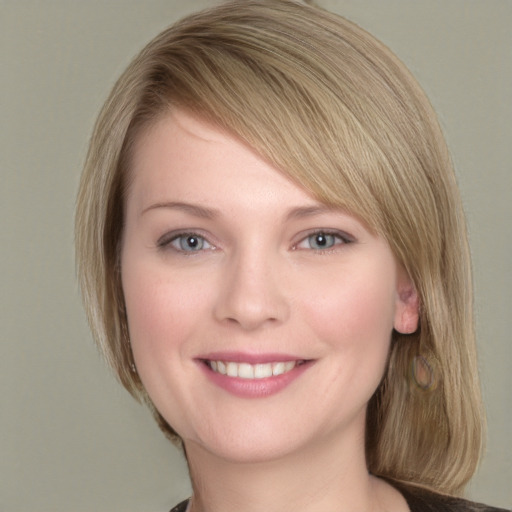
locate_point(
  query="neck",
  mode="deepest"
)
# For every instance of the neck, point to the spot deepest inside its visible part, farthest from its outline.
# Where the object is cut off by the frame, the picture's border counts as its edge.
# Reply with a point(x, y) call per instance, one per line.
point(327, 477)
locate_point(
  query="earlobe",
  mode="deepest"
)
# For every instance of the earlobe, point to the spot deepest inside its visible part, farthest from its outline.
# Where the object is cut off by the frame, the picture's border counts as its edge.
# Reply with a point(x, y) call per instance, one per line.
point(407, 308)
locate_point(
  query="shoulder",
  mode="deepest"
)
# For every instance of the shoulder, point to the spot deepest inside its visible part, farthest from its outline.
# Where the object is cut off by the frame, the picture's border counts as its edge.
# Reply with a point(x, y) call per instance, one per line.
point(180, 507)
point(420, 500)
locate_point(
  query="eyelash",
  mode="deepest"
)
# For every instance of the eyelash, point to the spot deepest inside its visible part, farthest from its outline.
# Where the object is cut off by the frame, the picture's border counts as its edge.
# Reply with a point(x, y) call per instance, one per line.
point(338, 238)
point(166, 242)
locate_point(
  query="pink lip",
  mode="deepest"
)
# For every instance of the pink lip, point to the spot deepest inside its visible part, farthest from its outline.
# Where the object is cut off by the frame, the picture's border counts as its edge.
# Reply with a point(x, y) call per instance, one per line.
point(241, 357)
point(252, 388)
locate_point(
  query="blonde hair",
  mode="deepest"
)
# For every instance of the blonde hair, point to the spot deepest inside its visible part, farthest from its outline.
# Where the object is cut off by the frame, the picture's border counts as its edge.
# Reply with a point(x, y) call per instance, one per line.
point(335, 110)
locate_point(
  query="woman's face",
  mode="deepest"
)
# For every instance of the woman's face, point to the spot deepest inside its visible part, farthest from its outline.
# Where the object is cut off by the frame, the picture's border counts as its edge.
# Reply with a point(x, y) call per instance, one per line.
point(260, 320)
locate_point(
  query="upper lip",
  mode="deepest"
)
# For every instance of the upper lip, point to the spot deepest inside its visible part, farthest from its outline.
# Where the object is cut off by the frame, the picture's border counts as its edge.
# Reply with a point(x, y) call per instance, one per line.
point(251, 358)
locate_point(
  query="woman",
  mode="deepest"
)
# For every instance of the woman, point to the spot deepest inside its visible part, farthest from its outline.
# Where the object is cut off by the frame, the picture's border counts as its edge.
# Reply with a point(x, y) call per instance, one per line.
point(273, 257)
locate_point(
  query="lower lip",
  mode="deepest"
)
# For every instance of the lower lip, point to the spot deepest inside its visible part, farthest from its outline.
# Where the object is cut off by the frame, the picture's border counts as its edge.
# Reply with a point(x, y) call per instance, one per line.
point(254, 388)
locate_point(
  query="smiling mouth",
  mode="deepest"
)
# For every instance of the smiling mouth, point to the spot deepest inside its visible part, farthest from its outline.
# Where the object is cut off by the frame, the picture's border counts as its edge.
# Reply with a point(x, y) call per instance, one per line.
point(252, 371)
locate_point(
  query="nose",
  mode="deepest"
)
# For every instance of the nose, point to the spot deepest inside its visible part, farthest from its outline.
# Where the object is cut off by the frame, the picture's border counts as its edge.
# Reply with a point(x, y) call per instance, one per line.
point(251, 293)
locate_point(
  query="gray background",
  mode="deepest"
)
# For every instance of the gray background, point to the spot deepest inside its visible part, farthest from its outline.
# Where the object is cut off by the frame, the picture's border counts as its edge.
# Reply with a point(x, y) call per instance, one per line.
point(70, 438)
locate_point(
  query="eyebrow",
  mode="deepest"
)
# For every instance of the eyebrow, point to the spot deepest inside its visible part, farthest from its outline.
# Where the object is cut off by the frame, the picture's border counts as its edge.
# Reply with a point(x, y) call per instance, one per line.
point(190, 208)
point(310, 211)
point(203, 212)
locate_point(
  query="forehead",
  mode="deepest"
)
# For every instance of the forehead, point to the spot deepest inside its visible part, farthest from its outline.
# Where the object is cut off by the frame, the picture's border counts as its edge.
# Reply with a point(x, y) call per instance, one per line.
point(182, 157)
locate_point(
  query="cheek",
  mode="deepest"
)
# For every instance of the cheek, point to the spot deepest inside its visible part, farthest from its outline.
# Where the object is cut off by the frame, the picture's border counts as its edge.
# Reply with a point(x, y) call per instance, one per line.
point(162, 311)
point(355, 315)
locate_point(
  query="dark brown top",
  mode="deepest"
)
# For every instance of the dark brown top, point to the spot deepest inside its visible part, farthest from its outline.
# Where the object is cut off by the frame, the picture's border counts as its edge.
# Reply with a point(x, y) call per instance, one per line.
point(420, 500)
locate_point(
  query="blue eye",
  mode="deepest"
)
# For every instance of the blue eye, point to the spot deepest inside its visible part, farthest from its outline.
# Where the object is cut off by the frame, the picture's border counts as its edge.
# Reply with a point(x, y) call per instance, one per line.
point(322, 240)
point(186, 242)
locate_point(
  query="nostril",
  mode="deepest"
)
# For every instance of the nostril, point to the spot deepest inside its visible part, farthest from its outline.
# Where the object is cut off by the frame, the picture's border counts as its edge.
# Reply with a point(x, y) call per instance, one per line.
point(250, 296)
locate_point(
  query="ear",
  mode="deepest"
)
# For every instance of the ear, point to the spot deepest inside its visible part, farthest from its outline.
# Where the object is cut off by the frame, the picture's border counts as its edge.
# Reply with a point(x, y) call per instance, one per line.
point(407, 305)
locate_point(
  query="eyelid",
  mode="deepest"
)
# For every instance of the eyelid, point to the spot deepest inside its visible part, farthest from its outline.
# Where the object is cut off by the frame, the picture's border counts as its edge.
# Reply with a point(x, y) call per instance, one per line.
point(344, 237)
point(165, 241)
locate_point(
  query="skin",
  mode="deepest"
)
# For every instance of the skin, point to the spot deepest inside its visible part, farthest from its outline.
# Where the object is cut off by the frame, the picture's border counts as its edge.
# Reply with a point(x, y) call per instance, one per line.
point(257, 282)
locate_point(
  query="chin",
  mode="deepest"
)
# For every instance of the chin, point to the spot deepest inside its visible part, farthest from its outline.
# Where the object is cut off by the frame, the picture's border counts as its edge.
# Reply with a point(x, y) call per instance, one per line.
point(249, 452)
point(249, 445)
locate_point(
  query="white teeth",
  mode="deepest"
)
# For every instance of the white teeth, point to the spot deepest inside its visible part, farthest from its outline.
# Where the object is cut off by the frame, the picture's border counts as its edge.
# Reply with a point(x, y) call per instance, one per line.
point(262, 370)
point(232, 370)
point(251, 371)
point(288, 366)
point(246, 371)
point(278, 369)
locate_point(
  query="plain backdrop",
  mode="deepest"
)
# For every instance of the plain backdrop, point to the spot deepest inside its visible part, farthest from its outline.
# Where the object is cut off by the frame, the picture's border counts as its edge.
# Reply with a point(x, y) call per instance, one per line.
point(71, 439)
